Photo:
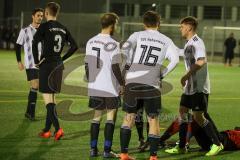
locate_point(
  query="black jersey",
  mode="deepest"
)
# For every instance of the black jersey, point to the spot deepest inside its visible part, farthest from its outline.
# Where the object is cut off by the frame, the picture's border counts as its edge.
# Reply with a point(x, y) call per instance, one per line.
point(53, 36)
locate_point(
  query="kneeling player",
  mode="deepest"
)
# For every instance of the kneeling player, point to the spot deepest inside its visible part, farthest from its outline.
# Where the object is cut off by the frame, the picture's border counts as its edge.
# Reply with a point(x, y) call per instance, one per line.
point(53, 36)
point(104, 76)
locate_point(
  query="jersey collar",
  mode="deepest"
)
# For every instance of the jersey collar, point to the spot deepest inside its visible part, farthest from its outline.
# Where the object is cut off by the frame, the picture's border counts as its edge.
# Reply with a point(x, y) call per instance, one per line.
point(105, 35)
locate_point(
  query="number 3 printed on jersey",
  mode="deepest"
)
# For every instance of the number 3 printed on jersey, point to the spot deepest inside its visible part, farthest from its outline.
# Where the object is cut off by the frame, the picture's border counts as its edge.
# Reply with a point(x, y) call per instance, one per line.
point(57, 39)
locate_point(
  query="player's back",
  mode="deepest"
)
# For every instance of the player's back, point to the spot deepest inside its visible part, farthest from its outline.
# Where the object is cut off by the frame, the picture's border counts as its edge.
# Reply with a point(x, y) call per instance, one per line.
point(101, 52)
point(150, 51)
point(55, 36)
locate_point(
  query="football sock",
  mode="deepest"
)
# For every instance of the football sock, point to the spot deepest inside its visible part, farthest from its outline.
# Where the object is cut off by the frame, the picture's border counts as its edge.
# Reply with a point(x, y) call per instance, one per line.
point(208, 128)
point(53, 115)
point(125, 135)
point(94, 131)
point(182, 134)
point(139, 126)
point(153, 141)
point(147, 131)
point(171, 130)
point(189, 132)
point(207, 116)
point(32, 98)
point(48, 122)
point(108, 134)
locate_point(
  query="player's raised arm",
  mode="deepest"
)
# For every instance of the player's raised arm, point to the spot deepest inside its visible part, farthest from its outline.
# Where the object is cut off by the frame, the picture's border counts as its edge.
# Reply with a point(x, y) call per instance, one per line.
point(172, 55)
point(72, 44)
point(38, 37)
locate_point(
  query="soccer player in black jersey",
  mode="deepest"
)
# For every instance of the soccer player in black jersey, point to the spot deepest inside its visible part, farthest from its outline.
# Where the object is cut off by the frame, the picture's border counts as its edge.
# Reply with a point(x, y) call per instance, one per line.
point(53, 35)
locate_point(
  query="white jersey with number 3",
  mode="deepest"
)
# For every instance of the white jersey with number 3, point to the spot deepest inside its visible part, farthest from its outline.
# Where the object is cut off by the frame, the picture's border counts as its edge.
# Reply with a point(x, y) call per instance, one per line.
point(101, 52)
point(146, 51)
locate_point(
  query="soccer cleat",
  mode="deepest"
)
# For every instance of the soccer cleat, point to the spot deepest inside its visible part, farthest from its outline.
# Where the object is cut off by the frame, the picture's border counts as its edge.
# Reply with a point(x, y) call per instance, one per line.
point(59, 134)
point(28, 116)
point(45, 134)
point(215, 150)
point(141, 143)
point(94, 152)
point(110, 154)
point(153, 158)
point(161, 144)
point(125, 156)
point(176, 150)
point(144, 146)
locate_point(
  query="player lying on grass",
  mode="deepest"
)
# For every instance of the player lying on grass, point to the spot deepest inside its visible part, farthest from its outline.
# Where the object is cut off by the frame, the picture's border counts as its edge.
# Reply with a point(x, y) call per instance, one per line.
point(25, 39)
point(229, 138)
point(150, 48)
point(104, 82)
point(53, 36)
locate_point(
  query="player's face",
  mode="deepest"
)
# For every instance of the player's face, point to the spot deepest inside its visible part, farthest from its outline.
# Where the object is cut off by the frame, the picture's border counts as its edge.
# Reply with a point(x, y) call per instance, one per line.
point(37, 18)
point(185, 29)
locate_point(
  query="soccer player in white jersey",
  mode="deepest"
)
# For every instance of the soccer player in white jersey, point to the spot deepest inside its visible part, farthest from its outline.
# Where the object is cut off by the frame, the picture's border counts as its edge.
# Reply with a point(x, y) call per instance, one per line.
point(25, 39)
point(104, 82)
point(196, 88)
point(146, 50)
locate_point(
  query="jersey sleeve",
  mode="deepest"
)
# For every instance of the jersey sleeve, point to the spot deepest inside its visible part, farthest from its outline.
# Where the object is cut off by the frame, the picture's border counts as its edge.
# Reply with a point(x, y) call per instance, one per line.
point(38, 37)
point(72, 44)
point(20, 39)
point(129, 47)
point(172, 54)
point(200, 51)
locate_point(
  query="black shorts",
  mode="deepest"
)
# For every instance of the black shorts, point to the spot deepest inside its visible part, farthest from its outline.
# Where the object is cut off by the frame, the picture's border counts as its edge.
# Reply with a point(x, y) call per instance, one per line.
point(142, 95)
point(50, 77)
point(32, 74)
point(101, 103)
point(196, 102)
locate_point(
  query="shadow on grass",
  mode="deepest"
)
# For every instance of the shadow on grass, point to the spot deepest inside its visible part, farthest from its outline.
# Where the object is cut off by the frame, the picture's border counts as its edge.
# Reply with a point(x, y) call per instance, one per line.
point(44, 147)
point(10, 142)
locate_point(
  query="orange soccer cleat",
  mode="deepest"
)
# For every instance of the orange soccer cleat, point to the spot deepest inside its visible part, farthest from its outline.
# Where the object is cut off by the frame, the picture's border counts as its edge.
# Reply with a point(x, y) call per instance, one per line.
point(59, 134)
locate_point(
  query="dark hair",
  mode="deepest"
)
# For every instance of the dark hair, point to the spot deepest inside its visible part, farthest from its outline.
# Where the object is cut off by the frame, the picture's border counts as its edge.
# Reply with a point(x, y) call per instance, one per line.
point(151, 19)
point(53, 8)
point(108, 19)
point(190, 21)
point(35, 10)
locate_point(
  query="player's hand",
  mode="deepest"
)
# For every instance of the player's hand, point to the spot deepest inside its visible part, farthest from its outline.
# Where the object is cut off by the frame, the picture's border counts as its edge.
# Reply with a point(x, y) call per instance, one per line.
point(122, 88)
point(37, 65)
point(184, 79)
point(20, 66)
